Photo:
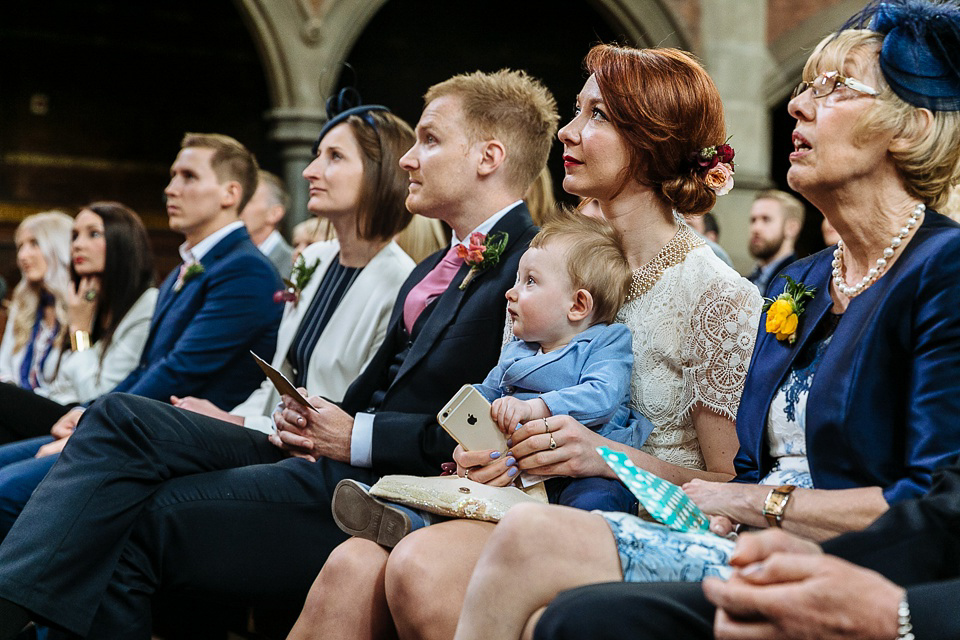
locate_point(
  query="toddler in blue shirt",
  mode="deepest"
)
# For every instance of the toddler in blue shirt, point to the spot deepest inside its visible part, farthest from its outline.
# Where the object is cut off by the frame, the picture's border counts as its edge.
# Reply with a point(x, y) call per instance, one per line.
point(567, 358)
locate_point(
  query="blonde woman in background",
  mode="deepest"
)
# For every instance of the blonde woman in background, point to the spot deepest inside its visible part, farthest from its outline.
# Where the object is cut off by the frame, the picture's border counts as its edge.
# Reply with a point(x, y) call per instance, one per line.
point(306, 233)
point(422, 237)
point(38, 309)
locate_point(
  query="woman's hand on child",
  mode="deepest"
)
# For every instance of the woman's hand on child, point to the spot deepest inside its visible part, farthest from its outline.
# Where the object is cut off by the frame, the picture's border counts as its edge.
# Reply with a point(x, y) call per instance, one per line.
point(486, 467)
point(721, 525)
point(558, 446)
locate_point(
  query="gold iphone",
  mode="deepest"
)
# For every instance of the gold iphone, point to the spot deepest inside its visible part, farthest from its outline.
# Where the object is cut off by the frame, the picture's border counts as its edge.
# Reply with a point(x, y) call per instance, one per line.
point(467, 419)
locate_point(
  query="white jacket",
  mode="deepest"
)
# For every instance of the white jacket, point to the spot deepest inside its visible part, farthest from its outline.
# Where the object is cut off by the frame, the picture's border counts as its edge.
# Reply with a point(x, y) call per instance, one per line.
point(348, 342)
point(82, 377)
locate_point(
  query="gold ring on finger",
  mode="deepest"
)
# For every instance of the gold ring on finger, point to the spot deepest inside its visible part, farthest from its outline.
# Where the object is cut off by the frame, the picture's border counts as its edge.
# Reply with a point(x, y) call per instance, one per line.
point(553, 443)
point(466, 474)
point(546, 426)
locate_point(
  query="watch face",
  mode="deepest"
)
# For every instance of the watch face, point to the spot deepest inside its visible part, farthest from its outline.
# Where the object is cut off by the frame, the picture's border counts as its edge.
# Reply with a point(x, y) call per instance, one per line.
point(775, 504)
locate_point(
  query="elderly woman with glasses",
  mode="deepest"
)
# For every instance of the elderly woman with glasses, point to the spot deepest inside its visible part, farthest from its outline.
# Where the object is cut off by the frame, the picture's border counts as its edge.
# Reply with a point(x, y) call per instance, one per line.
point(853, 392)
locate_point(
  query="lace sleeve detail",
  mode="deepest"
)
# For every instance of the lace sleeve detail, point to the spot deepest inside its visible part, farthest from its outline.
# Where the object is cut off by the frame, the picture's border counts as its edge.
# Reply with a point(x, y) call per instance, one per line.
point(507, 329)
point(723, 329)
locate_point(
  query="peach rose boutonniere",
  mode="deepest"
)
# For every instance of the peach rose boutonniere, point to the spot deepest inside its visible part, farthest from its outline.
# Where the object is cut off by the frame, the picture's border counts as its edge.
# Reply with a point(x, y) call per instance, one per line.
point(783, 312)
point(481, 253)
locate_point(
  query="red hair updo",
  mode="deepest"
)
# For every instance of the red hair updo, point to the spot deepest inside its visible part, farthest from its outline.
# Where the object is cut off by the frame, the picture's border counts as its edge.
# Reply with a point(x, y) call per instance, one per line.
point(666, 108)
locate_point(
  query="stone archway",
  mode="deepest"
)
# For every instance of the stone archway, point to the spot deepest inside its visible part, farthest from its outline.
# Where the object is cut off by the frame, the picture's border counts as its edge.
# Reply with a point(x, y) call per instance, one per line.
point(647, 23)
point(303, 44)
point(301, 47)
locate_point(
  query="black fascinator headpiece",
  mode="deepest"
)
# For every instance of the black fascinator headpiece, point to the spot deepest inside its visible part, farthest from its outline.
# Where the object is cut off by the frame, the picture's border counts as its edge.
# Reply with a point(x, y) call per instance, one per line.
point(341, 106)
point(920, 58)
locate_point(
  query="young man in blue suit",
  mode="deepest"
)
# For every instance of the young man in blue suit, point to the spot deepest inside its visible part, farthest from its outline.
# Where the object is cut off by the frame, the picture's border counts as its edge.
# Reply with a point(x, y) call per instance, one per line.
point(217, 305)
point(148, 497)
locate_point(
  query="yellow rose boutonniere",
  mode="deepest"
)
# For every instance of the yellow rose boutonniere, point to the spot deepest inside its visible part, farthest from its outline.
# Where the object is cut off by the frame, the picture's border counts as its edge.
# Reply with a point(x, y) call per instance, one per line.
point(783, 312)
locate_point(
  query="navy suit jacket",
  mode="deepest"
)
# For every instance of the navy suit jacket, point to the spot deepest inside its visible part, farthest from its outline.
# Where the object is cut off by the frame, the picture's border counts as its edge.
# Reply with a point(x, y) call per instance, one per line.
point(200, 337)
point(883, 407)
point(409, 381)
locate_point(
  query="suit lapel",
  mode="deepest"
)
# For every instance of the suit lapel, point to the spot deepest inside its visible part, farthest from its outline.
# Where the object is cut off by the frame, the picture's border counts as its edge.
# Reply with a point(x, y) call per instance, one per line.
point(285, 339)
point(224, 246)
point(168, 296)
point(164, 301)
point(448, 304)
point(446, 309)
point(776, 357)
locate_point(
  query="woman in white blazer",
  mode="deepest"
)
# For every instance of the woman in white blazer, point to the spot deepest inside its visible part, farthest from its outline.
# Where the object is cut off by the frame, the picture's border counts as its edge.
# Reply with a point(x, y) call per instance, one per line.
point(336, 317)
point(109, 303)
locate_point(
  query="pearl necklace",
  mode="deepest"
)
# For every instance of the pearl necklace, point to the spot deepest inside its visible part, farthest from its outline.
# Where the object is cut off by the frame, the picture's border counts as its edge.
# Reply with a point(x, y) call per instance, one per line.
point(673, 253)
point(873, 273)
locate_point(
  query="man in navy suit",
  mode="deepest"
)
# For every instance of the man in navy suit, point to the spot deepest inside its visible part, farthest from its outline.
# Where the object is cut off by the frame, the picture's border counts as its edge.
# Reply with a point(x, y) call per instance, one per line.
point(218, 304)
point(206, 324)
point(150, 498)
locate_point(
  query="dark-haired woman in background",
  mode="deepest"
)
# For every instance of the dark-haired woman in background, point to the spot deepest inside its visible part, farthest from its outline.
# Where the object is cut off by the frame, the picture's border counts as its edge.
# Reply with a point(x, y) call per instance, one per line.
point(109, 305)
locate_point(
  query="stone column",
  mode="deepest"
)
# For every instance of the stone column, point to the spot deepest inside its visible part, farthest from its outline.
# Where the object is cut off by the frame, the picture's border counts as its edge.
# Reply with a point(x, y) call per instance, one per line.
point(295, 130)
point(733, 35)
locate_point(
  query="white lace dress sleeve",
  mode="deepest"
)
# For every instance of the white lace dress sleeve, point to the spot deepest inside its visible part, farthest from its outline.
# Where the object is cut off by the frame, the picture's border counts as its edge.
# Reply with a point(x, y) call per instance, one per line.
point(693, 335)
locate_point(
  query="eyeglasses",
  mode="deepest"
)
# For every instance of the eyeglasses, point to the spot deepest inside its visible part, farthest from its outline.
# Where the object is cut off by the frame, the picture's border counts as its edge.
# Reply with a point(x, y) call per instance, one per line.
point(825, 84)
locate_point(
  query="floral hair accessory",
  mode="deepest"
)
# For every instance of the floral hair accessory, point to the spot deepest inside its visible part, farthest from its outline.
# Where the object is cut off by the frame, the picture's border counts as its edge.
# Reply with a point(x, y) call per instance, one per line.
point(482, 253)
point(187, 271)
point(783, 312)
point(299, 278)
point(716, 166)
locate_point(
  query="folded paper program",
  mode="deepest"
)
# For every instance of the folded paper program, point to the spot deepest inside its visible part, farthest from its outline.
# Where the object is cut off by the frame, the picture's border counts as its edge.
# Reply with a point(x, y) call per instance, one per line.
point(663, 500)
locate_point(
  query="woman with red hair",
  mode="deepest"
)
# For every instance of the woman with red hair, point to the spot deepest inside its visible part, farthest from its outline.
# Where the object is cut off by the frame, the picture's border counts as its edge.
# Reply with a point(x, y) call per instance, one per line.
point(647, 142)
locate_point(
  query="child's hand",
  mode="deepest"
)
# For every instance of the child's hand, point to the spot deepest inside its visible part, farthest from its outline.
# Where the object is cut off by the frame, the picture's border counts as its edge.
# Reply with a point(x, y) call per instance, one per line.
point(508, 412)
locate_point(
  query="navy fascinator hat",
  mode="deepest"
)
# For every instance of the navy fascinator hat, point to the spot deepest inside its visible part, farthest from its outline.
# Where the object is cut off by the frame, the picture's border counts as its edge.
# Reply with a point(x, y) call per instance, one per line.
point(920, 57)
point(341, 106)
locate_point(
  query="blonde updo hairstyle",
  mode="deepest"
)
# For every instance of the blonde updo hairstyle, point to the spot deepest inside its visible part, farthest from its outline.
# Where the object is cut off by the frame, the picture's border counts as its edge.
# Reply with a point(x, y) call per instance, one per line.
point(928, 159)
point(666, 108)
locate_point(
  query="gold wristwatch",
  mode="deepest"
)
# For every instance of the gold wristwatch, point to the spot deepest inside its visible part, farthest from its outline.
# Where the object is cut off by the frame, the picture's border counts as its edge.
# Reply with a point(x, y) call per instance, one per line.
point(776, 504)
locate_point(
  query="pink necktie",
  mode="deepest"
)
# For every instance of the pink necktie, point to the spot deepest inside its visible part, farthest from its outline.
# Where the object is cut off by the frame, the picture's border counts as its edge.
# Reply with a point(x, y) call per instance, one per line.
point(435, 283)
